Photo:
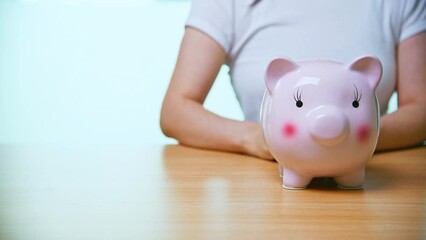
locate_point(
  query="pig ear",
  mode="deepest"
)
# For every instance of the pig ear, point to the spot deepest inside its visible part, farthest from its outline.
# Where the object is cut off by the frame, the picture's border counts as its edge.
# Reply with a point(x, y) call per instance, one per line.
point(276, 69)
point(369, 66)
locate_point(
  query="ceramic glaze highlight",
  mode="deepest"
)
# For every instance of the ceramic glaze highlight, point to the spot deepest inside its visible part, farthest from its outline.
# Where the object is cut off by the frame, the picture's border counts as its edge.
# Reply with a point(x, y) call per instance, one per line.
point(320, 118)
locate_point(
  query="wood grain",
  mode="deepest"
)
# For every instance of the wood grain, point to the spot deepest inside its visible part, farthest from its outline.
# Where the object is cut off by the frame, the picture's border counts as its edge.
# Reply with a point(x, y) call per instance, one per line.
point(176, 192)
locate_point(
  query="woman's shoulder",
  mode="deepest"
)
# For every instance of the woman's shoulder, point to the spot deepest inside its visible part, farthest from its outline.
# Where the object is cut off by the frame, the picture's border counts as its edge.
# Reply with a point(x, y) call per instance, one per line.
point(407, 17)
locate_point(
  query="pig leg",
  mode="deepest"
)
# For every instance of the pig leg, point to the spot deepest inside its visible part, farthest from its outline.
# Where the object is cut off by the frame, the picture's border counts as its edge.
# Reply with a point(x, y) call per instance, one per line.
point(353, 180)
point(280, 169)
point(293, 180)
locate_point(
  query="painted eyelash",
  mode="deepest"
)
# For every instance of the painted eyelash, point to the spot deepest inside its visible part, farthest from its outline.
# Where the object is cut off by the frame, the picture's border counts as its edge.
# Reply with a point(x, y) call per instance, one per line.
point(357, 94)
point(298, 99)
point(357, 97)
point(298, 96)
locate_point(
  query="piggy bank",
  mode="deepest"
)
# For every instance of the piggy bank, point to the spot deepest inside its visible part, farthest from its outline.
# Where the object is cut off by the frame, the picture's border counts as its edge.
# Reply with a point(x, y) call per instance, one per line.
point(320, 118)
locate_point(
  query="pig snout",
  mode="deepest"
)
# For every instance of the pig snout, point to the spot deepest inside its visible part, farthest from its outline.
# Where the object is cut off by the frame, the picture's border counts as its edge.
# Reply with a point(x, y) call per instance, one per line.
point(327, 125)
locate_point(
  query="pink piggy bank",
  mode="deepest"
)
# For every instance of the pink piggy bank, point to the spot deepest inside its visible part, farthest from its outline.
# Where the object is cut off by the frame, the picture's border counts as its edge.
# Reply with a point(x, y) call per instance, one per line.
point(320, 118)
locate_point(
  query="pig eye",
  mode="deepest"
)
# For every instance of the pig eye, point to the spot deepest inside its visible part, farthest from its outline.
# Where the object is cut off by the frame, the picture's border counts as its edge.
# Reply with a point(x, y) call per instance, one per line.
point(355, 104)
point(357, 97)
point(298, 99)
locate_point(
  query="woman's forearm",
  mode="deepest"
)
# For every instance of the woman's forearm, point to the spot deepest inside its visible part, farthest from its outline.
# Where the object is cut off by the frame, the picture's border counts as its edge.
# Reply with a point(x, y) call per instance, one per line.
point(403, 128)
point(191, 124)
point(407, 126)
point(183, 116)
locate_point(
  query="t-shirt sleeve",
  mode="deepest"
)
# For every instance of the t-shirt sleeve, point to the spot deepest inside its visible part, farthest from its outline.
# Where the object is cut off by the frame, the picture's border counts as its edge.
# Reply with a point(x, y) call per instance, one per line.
point(213, 17)
point(413, 18)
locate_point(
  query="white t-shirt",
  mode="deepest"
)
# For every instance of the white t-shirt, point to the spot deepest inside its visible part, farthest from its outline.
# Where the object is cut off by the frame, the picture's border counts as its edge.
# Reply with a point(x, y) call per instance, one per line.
point(253, 34)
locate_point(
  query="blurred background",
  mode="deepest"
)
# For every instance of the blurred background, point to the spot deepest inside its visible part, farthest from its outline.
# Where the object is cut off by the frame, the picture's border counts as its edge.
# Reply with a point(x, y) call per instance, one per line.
point(92, 71)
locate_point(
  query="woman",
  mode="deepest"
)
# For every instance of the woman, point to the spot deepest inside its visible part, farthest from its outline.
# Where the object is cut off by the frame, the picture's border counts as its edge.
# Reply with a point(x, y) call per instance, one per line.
point(247, 34)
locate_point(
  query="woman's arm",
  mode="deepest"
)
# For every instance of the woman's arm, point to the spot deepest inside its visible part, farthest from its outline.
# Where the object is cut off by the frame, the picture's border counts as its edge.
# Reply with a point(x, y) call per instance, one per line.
point(407, 126)
point(183, 116)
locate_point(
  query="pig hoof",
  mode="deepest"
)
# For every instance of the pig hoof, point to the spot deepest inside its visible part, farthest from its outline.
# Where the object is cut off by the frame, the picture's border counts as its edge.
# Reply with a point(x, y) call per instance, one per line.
point(293, 188)
point(349, 187)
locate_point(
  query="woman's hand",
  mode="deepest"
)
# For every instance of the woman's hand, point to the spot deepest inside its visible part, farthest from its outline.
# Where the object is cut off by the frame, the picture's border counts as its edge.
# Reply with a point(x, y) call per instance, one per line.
point(254, 143)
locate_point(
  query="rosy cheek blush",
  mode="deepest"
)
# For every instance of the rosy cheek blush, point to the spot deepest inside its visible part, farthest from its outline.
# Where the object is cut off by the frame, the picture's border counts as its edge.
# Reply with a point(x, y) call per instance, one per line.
point(363, 133)
point(288, 130)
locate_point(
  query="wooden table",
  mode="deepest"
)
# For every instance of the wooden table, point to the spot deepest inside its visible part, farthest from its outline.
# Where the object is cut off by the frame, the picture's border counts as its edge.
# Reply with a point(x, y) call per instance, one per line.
point(174, 192)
